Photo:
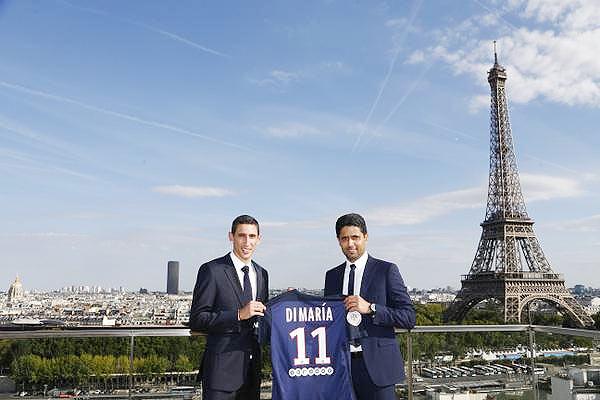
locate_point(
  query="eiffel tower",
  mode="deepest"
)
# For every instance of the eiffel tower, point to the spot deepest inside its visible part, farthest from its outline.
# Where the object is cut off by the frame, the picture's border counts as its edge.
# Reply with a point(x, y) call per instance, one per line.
point(509, 264)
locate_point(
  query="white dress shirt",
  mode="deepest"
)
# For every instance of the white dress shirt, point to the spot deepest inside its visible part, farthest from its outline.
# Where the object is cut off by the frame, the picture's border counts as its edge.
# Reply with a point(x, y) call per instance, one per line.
point(239, 264)
point(358, 274)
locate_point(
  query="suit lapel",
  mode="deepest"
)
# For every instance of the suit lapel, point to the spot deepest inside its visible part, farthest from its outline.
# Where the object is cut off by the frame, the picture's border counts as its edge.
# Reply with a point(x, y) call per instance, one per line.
point(339, 277)
point(260, 282)
point(233, 277)
point(368, 275)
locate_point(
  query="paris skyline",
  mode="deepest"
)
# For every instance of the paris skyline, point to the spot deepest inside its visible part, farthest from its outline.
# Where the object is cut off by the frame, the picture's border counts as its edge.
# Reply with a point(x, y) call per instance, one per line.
point(133, 134)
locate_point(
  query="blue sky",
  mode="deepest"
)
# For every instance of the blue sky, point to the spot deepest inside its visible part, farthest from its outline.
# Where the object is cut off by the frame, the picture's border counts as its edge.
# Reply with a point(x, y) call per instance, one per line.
point(132, 133)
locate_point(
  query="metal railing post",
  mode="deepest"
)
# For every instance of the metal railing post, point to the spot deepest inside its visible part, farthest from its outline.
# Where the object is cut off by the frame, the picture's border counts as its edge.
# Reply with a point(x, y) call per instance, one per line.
point(409, 359)
point(532, 354)
point(131, 346)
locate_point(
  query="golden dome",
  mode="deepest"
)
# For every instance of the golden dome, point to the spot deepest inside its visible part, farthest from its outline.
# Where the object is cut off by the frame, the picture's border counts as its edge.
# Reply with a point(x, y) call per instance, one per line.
point(15, 291)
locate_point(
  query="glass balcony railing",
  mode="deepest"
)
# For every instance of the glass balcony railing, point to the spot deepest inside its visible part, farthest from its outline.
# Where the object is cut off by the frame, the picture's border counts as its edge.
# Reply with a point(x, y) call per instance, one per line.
point(464, 362)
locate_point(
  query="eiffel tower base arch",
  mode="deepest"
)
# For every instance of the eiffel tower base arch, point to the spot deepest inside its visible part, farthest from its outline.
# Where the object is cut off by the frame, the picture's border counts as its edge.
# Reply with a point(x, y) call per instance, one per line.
point(516, 291)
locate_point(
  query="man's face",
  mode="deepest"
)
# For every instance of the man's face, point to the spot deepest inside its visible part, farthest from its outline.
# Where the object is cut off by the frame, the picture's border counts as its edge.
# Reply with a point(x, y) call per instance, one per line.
point(244, 240)
point(353, 242)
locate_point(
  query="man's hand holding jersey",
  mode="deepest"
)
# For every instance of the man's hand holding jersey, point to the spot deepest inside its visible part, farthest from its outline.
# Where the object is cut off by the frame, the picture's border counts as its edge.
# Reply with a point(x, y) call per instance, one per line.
point(357, 303)
point(251, 309)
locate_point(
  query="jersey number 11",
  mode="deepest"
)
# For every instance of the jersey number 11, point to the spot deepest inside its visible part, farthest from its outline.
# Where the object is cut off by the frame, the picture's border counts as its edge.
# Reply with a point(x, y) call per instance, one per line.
point(302, 359)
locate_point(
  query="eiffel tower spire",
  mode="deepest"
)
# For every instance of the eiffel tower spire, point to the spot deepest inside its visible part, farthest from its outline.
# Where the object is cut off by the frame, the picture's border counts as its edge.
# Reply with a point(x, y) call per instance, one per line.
point(509, 264)
point(505, 199)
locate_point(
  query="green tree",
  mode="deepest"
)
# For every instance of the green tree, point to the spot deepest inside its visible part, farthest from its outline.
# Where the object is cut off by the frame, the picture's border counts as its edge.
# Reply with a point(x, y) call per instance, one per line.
point(102, 367)
point(183, 364)
point(596, 318)
point(26, 370)
point(122, 365)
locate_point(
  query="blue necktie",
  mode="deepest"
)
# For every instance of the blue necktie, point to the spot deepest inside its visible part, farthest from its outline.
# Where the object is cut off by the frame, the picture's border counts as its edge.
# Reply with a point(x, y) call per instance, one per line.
point(247, 290)
point(351, 280)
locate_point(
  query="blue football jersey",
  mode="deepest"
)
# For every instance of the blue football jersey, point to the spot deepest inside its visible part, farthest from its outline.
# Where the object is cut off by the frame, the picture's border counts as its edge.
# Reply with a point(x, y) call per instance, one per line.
point(309, 347)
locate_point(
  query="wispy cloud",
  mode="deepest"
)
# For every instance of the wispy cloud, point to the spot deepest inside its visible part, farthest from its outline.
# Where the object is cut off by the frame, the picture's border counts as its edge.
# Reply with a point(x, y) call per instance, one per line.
point(494, 15)
point(427, 208)
point(50, 235)
point(277, 78)
point(554, 58)
point(151, 28)
point(280, 78)
point(284, 76)
point(27, 162)
point(292, 130)
point(587, 224)
point(291, 123)
point(128, 117)
point(193, 191)
point(41, 141)
point(545, 187)
point(535, 188)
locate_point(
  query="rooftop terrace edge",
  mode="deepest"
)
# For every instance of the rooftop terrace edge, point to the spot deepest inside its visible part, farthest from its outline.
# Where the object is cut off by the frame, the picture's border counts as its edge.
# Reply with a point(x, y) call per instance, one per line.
point(182, 331)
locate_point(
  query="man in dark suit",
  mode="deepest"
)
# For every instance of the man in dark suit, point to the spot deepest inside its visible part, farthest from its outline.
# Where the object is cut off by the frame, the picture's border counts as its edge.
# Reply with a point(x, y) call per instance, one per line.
point(377, 297)
point(228, 298)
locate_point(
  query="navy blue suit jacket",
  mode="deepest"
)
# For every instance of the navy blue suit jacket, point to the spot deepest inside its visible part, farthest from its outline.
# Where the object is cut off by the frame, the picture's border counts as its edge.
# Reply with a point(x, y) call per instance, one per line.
point(381, 284)
point(217, 298)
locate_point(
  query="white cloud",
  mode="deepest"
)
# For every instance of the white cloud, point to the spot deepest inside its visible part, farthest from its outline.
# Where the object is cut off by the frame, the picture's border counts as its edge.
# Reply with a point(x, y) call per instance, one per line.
point(193, 191)
point(588, 224)
point(427, 208)
point(295, 124)
point(279, 78)
point(396, 22)
point(573, 14)
point(535, 188)
point(416, 57)
point(284, 77)
point(291, 130)
point(49, 235)
point(553, 57)
point(545, 187)
point(478, 102)
point(335, 66)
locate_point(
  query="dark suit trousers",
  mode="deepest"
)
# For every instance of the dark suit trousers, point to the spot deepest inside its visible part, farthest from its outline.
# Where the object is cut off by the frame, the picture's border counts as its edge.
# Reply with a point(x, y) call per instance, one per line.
point(364, 387)
point(250, 390)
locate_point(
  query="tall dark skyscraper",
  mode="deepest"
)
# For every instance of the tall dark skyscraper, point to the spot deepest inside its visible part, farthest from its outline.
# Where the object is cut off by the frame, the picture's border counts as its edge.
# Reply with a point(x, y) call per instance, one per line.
point(173, 277)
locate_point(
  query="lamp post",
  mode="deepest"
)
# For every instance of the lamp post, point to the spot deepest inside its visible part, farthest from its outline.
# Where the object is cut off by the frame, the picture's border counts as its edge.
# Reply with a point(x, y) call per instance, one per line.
point(532, 351)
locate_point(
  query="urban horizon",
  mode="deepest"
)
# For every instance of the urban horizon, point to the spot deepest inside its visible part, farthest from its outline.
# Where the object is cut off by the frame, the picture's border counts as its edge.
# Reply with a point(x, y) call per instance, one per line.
point(96, 288)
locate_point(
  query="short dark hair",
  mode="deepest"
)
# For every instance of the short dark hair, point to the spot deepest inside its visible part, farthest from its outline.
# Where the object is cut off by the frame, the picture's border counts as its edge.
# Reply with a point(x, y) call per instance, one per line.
point(244, 220)
point(350, 220)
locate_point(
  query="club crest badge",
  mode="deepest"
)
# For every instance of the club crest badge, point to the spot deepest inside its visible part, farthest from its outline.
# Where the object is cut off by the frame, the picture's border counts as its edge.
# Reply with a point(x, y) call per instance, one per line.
point(354, 318)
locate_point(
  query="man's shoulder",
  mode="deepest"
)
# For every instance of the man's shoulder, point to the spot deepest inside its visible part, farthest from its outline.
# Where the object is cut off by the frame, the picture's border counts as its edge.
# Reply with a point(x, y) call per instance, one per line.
point(381, 263)
point(219, 262)
point(259, 267)
point(337, 268)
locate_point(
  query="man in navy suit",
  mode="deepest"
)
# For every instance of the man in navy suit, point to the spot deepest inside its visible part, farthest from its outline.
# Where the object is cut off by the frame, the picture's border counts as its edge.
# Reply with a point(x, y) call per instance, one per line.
point(377, 297)
point(228, 298)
